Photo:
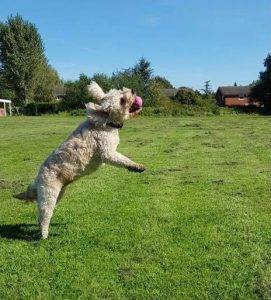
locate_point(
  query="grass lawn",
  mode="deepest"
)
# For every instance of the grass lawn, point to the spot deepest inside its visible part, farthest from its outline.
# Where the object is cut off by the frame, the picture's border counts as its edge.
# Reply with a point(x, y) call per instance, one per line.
point(195, 225)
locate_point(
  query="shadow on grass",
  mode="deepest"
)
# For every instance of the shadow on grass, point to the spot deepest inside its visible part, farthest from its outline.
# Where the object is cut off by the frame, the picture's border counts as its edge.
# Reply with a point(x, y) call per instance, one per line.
point(26, 232)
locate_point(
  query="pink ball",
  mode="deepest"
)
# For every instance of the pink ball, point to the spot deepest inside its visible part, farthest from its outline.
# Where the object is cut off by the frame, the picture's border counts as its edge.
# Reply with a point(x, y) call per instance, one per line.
point(137, 103)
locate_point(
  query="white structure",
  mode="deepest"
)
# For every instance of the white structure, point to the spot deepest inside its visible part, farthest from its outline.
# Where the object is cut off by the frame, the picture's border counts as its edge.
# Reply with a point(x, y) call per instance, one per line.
point(5, 104)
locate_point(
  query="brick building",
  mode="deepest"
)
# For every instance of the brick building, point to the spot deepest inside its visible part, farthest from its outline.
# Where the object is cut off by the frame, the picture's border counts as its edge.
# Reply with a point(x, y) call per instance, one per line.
point(234, 96)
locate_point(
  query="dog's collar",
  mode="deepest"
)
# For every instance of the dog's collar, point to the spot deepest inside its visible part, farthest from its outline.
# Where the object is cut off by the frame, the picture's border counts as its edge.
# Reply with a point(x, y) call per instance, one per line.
point(114, 125)
point(111, 124)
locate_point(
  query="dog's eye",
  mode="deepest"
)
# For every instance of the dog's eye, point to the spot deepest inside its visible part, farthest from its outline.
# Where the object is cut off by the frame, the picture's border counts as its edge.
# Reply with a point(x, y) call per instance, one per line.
point(122, 101)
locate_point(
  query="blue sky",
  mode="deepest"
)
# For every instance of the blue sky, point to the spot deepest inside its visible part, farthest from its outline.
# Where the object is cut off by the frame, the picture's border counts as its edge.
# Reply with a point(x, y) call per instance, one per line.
point(187, 41)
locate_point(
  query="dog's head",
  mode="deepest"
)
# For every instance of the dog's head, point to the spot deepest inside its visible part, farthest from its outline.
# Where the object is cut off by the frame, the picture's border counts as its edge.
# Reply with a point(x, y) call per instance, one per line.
point(116, 105)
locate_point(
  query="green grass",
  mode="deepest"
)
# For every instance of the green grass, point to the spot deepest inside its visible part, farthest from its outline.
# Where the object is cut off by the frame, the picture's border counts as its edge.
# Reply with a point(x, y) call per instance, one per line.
point(195, 225)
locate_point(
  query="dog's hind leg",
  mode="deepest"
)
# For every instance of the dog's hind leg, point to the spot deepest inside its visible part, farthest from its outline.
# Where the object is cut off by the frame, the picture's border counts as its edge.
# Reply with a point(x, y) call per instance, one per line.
point(61, 194)
point(47, 198)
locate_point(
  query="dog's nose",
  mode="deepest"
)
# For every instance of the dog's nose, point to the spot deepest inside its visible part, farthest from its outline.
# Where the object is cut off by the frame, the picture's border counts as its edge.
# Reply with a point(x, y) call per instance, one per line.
point(132, 90)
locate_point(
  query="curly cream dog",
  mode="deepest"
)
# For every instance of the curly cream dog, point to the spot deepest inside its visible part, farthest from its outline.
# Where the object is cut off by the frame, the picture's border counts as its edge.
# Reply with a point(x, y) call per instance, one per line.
point(95, 141)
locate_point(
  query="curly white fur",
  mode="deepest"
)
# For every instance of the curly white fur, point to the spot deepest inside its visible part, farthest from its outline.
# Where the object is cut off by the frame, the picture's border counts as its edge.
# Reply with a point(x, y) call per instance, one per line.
point(96, 91)
point(95, 141)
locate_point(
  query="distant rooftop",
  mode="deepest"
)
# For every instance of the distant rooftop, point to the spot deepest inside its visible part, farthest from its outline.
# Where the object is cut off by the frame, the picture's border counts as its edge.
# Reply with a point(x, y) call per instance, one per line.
point(169, 92)
point(59, 91)
point(234, 90)
point(173, 92)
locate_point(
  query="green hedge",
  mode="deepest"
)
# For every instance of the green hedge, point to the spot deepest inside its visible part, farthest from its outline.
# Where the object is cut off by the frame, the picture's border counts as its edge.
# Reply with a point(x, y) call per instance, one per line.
point(176, 109)
point(40, 108)
point(168, 108)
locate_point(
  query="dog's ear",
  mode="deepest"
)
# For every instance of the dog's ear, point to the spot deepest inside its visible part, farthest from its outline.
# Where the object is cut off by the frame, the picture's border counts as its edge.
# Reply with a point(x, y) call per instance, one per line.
point(96, 91)
point(96, 114)
point(127, 93)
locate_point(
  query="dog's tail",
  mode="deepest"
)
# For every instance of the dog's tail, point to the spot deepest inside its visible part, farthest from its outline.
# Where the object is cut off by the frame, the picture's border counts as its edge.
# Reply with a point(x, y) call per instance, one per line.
point(30, 195)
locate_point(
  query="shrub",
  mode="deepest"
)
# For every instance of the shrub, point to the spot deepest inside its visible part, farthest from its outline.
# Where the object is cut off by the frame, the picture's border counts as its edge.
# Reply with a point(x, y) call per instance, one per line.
point(154, 96)
point(104, 81)
point(163, 82)
point(36, 109)
point(127, 78)
point(76, 94)
point(186, 96)
point(208, 103)
point(177, 109)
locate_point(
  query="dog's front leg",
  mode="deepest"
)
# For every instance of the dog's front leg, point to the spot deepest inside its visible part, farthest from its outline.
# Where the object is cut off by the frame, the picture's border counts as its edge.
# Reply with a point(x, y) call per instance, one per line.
point(117, 159)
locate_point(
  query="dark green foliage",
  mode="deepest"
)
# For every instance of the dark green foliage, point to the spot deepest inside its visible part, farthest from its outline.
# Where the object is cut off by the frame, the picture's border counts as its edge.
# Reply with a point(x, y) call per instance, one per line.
point(186, 96)
point(5, 91)
point(37, 109)
point(47, 80)
point(127, 78)
point(21, 56)
point(143, 70)
point(155, 97)
point(177, 109)
point(76, 93)
point(139, 78)
point(262, 88)
point(207, 90)
point(104, 81)
point(163, 82)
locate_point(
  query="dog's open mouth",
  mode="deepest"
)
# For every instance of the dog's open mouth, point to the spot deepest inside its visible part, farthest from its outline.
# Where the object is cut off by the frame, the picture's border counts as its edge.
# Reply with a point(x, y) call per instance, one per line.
point(137, 105)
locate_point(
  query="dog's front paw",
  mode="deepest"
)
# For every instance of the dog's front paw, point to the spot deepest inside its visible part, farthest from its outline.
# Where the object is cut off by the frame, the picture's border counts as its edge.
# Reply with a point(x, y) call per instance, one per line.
point(137, 168)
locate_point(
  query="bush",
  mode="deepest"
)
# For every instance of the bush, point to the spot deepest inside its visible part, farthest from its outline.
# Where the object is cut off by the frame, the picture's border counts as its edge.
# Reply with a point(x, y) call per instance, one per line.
point(209, 104)
point(186, 96)
point(177, 109)
point(104, 81)
point(155, 97)
point(37, 109)
point(76, 94)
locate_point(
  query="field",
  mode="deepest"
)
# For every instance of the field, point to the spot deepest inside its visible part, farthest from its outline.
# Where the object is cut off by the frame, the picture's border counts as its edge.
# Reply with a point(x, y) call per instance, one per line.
point(195, 225)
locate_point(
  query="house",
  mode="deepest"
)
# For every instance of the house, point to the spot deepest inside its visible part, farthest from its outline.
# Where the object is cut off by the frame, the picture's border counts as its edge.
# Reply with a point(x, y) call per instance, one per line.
point(170, 92)
point(59, 92)
point(173, 92)
point(234, 96)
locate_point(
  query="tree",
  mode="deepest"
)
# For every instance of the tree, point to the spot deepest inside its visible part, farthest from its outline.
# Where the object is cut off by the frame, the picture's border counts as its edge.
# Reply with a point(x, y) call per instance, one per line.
point(186, 96)
point(21, 56)
point(163, 82)
point(5, 91)
point(104, 81)
point(261, 89)
point(76, 93)
point(128, 78)
point(235, 83)
point(155, 97)
point(207, 88)
point(143, 69)
point(138, 78)
point(47, 79)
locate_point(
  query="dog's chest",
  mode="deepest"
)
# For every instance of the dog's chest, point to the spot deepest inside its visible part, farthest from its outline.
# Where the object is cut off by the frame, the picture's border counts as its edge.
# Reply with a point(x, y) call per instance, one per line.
point(107, 140)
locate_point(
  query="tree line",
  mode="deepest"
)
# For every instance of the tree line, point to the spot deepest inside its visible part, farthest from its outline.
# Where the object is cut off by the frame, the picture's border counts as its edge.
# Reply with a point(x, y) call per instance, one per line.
point(25, 74)
point(27, 77)
point(261, 88)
